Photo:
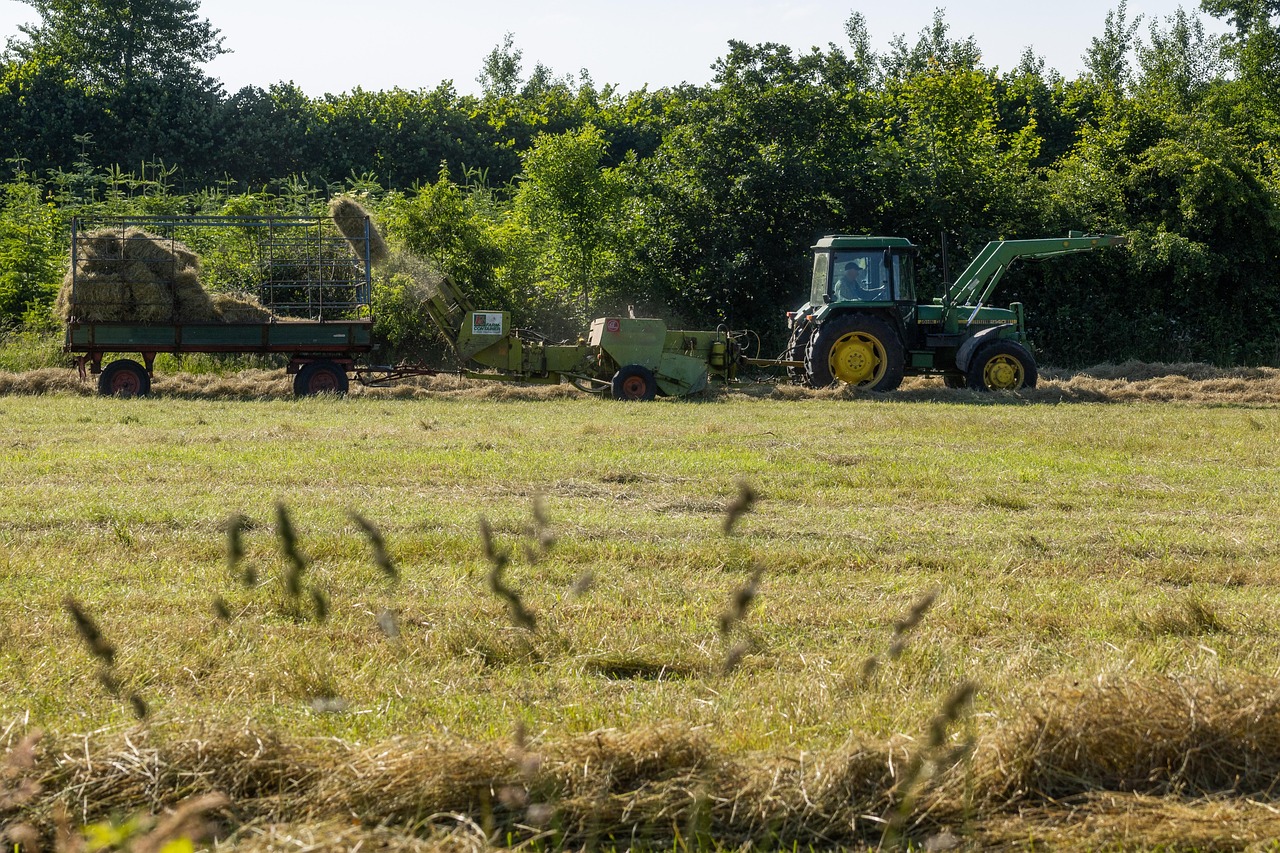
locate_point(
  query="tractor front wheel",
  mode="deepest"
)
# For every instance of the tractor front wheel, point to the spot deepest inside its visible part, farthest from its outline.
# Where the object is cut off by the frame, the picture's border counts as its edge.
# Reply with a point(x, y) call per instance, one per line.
point(856, 349)
point(320, 377)
point(1001, 366)
point(634, 382)
point(124, 378)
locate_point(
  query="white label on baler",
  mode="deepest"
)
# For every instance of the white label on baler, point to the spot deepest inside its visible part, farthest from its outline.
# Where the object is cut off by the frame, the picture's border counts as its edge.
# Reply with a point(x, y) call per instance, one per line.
point(486, 324)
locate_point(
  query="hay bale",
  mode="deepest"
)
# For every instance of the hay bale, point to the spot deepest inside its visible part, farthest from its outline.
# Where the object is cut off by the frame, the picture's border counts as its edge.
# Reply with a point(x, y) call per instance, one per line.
point(350, 217)
point(133, 275)
point(95, 299)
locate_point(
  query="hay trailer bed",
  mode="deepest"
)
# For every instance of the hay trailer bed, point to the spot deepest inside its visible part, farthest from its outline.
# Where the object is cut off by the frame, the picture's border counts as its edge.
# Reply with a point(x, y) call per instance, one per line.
point(287, 286)
point(322, 355)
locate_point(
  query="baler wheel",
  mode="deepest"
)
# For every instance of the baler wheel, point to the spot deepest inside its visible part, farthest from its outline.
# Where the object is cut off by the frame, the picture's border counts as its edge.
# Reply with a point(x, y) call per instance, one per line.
point(1002, 366)
point(634, 382)
point(124, 378)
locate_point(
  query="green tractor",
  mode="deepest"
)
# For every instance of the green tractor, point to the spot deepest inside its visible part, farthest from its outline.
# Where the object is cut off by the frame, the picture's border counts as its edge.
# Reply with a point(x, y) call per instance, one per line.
point(864, 326)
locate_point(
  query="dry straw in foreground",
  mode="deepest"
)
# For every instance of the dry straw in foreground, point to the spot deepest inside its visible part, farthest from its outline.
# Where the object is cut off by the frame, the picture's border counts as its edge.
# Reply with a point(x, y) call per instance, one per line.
point(1106, 759)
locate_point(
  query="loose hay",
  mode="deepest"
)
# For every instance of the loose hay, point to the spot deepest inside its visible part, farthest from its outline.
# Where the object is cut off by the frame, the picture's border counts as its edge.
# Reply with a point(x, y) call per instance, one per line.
point(240, 308)
point(1157, 737)
point(1154, 759)
point(350, 217)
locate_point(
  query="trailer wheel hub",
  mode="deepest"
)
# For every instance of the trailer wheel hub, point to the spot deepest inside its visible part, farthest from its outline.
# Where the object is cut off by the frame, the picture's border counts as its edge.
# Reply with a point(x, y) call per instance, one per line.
point(858, 358)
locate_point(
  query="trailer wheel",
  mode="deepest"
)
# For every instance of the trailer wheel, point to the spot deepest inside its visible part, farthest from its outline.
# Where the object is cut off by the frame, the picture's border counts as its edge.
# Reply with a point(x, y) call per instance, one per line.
point(1001, 366)
point(320, 377)
point(856, 349)
point(634, 382)
point(797, 346)
point(124, 378)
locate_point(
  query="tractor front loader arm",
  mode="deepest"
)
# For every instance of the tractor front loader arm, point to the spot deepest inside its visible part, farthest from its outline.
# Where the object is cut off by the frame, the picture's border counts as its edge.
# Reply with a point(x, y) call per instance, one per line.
point(975, 285)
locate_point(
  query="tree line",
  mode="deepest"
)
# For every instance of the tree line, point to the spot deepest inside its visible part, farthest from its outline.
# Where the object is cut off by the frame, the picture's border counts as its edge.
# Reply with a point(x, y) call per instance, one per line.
point(559, 199)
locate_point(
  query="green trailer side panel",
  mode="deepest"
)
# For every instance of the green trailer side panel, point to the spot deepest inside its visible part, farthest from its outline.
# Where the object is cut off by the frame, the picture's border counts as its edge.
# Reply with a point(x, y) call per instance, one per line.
point(317, 334)
point(125, 337)
point(221, 337)
point(249, 336)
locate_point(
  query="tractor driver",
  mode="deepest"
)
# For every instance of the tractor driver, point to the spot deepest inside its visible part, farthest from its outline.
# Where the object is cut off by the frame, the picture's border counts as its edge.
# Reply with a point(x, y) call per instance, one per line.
point(855, 283)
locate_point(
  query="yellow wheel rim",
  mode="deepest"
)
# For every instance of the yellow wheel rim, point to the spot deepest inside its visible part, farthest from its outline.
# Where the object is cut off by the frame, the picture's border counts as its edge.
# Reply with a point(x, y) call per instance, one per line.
point(858, 359)
point(1003, 373)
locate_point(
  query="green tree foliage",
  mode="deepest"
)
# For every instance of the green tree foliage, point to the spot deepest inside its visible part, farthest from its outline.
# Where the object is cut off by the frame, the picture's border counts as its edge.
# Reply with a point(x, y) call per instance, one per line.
point(1179, 65)
point(109, 44)
point(453, 228)
point(1107, 62)
point(572, 207)
point(31, 252)
point(766, 158)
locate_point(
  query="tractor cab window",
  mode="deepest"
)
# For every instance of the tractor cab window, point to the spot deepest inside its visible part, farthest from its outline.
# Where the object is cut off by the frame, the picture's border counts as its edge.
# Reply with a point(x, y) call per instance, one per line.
point(860, 276)
point(904, 276)
point(818, 292)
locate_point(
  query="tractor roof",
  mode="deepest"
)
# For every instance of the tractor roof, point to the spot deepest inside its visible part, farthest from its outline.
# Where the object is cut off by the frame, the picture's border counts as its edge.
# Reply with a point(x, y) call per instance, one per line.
point(862, 241)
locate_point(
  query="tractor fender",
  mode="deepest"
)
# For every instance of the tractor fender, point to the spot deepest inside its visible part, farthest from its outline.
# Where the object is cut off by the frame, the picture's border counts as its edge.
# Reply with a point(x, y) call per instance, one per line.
point(969, 347)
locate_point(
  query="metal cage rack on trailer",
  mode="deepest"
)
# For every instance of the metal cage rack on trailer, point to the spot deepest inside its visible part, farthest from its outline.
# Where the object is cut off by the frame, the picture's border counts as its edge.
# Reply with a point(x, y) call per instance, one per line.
point(140, 268)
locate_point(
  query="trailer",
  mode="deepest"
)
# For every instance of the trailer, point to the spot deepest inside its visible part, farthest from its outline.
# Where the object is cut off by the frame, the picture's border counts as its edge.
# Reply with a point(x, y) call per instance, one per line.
point(286, 286)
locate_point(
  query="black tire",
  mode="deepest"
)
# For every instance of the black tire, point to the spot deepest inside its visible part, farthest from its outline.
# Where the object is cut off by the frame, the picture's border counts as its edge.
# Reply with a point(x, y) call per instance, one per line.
point(320, 377)
point(1001, 366)
point(797, 347)
point(634, 382)
point(856, 349)
point(124, 378)
point(952, 380)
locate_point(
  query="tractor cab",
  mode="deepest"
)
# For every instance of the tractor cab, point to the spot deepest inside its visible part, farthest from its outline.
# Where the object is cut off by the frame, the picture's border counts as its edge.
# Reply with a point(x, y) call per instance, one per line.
point(860, 270)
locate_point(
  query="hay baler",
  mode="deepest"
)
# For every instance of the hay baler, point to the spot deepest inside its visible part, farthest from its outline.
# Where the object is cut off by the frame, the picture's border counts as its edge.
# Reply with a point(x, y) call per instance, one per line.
point(629, 358)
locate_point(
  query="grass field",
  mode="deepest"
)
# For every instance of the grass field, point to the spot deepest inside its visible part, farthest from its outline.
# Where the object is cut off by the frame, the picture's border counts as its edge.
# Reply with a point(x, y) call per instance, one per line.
point(945, 619)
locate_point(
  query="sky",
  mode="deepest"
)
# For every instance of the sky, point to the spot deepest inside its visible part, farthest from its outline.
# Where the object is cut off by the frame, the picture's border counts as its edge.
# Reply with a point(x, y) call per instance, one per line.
point(334, 46)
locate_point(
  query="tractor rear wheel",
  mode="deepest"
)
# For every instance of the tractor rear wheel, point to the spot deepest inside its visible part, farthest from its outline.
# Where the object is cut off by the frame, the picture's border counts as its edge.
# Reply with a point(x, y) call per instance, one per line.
point(856, 349)
point(634, 382)
point(124, 377)
point(1001, 366)
point(320, 377)
point(797, 346)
